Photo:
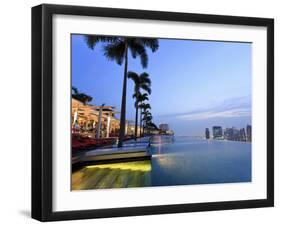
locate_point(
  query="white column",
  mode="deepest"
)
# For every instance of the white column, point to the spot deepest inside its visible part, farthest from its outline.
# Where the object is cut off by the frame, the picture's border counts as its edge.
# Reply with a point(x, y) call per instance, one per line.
point(94, 129)
point(99, 122)
point(75, 116)
point(126, 128)
point(108, 126)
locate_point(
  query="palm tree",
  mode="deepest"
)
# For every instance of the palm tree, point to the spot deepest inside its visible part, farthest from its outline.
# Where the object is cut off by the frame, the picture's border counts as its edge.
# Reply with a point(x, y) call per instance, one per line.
point(151, 126)
point(84, 98)
point(116, 49)
point(74, 90)
point(142, 97)
point(143, 107)
point(147, 118)
point(141, 81)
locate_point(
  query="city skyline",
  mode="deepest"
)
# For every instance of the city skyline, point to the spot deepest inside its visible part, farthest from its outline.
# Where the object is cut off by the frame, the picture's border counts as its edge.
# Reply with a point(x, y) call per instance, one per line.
point(184, 75)
point(230, 133)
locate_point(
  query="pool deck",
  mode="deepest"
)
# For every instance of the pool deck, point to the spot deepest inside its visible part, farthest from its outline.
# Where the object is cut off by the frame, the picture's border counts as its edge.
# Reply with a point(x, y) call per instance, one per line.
point(131, 151)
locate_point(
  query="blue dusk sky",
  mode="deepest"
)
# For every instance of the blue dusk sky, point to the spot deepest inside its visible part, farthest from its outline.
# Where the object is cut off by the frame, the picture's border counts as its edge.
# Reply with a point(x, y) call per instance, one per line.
point(195, 84)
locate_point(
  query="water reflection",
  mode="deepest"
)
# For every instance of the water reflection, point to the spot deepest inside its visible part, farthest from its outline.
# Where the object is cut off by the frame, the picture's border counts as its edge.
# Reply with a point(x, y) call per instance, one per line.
point(115, 175)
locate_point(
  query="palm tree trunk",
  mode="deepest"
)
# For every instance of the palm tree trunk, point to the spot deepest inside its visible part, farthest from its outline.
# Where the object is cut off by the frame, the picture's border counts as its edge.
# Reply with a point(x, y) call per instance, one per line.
point(140, 123)
point(123, 103)
point(136, 122)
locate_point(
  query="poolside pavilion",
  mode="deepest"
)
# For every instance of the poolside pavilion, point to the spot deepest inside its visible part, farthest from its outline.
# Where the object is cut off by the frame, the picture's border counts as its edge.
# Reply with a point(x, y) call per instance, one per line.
point(94, 121)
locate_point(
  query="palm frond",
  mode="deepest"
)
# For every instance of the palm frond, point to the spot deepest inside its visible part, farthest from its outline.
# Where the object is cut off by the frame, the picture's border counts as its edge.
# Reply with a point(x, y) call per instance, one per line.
point(115, 51)
point(146, 87)
point(143, 97)
point(134, 76)
point(84, 98)
point(137, 94)
point(145, 106)
point(146, 113)
point(144, 58)
point(144, 78)
point(151, 43)
point(75, 90)
point(92, 40)
point(134, 95)
point(137, 49)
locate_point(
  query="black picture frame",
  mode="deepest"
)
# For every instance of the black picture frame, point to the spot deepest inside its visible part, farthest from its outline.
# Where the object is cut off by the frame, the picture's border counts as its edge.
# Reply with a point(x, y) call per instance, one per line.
point(42, 111)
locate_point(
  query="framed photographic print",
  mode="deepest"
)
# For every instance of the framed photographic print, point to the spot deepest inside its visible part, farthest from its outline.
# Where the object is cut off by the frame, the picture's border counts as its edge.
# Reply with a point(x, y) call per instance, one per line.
point(147, 112)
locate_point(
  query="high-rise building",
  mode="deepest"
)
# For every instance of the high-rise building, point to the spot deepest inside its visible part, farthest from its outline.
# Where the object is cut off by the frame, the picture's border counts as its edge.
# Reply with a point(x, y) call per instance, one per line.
point(249, 132)
point(242, 135)
point(232, 134)
point(228, 134)
point(236, 134)
point(207, 133)
point(217, 132)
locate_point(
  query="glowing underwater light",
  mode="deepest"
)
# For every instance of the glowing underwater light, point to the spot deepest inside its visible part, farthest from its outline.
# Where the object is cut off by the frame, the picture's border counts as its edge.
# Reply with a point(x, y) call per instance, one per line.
point(143, 166)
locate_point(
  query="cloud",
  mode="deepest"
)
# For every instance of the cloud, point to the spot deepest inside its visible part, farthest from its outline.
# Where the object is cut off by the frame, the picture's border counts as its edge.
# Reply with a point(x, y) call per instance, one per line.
point(210, 114)
point(231, 108)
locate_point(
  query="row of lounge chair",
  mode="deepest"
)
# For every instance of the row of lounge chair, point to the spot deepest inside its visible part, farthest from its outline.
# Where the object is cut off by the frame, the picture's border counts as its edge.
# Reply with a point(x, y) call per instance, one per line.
point(87, 143)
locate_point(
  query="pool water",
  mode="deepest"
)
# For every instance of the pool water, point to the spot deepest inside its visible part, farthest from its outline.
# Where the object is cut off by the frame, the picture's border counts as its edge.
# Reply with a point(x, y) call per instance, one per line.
point(175, 161)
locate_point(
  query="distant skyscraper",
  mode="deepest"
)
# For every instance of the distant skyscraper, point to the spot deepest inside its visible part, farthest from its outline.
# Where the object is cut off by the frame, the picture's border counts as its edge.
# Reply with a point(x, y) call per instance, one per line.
point(249, 133)
point(242, 135)
point(228, 134)
point(207, 133)
point(236, 134)
point(217, 132)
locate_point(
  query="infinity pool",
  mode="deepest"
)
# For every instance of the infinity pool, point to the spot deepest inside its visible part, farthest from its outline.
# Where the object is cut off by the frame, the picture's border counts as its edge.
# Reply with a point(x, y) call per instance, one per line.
point(175, 161)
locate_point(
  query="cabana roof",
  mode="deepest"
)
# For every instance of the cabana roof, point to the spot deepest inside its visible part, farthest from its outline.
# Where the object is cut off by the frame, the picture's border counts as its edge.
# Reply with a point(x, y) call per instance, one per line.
point(91, 112)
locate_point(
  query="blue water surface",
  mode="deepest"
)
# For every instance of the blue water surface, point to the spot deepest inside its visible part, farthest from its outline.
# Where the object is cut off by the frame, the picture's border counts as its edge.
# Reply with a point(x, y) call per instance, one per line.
point(175, 161)
point(186, 160)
